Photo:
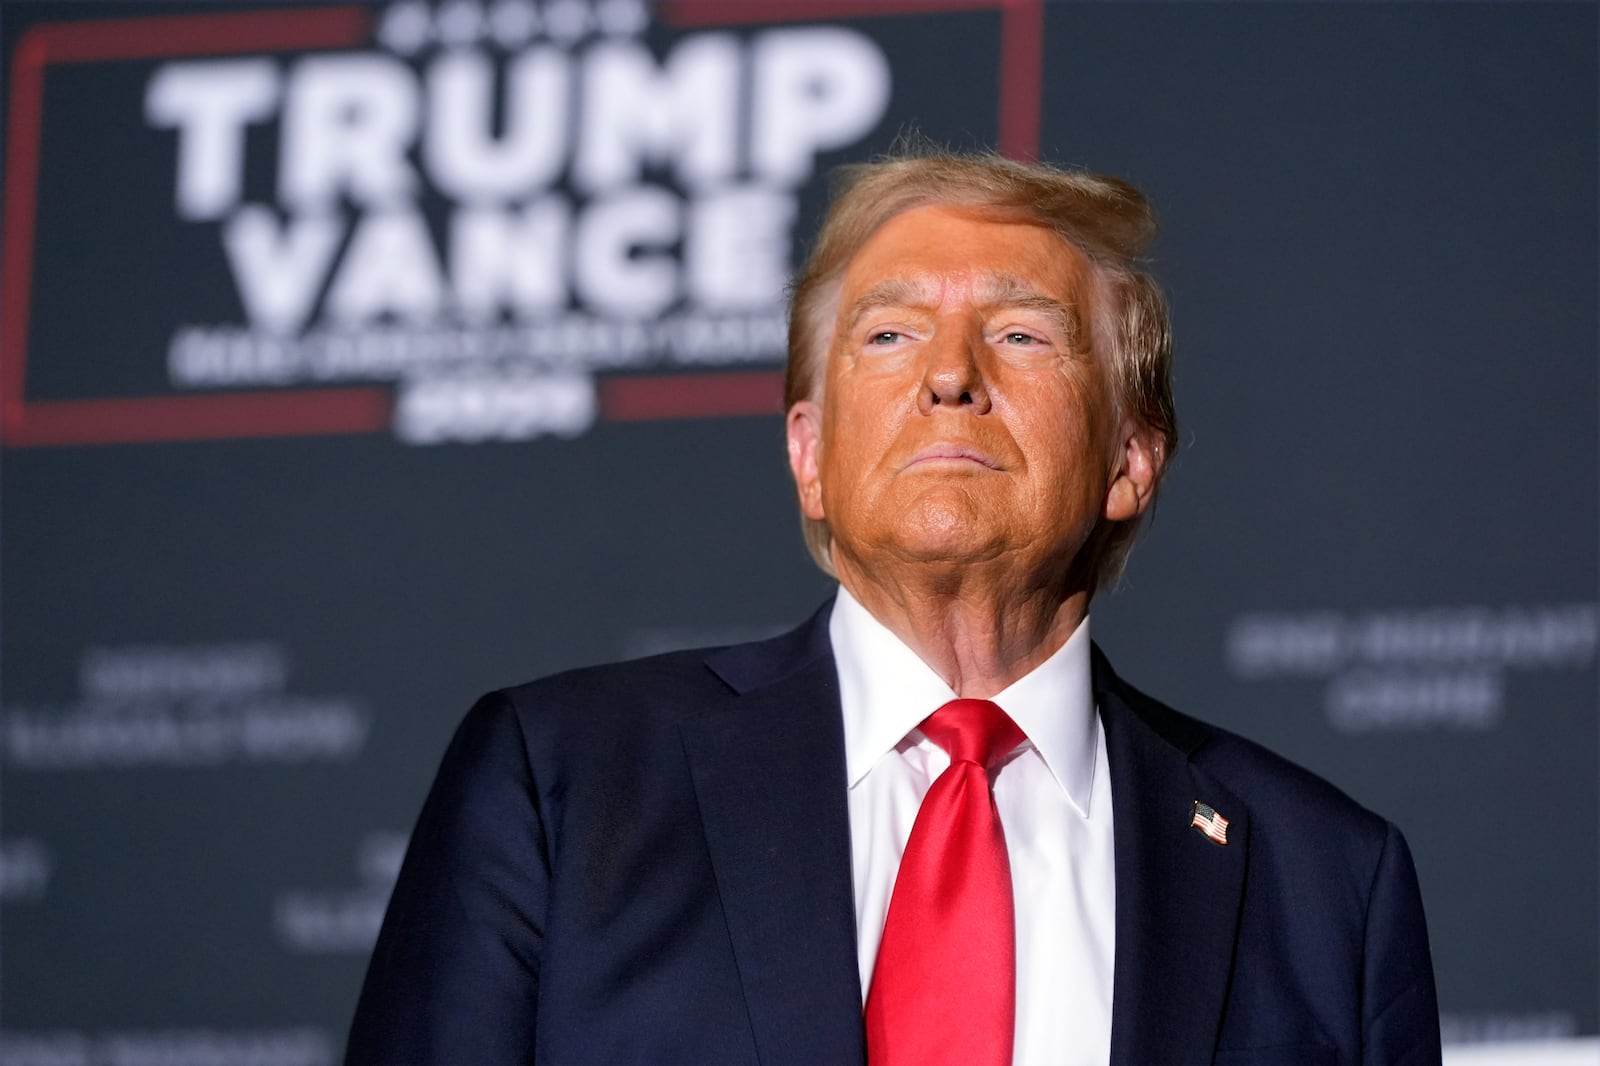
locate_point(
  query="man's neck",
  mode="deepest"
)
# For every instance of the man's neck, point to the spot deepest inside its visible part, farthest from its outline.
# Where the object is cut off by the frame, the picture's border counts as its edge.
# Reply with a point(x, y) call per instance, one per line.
point(977, 633)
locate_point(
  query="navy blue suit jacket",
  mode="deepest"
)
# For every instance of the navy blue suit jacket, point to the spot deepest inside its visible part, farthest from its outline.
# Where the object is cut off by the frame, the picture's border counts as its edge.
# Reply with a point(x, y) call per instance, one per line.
point(650, 863)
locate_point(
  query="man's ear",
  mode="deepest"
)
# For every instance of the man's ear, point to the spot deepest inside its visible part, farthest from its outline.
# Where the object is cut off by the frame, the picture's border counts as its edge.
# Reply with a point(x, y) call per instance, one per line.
point(1134, 481)
point(804, 428)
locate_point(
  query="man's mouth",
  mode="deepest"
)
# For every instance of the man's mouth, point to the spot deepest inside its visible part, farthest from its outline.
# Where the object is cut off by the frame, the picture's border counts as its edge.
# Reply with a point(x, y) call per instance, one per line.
point(950, 452)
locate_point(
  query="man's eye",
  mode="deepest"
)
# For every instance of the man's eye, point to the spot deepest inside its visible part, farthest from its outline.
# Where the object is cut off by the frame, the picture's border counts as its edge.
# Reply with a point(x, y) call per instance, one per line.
point(887, 336)
point(1015, 337)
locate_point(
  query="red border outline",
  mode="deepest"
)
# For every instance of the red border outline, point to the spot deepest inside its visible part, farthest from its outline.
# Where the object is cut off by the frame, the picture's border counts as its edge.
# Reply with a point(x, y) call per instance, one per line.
point(154, 418)
point(366, 410)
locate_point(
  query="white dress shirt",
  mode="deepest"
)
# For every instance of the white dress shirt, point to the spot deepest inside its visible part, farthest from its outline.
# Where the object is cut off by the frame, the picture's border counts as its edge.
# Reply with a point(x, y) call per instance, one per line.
point(1055, 806)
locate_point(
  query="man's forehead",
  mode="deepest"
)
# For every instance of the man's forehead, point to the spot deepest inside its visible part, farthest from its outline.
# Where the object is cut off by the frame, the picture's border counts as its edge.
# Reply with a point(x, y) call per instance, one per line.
point(934, 246)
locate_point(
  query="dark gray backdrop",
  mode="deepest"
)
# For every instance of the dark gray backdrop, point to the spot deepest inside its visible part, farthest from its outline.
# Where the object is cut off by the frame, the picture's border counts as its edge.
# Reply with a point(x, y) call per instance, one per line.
point(231, 662)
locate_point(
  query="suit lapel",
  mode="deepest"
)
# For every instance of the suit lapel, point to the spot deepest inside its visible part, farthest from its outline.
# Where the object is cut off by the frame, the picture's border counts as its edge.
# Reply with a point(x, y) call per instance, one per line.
point(1178, 893)
point(769, 775)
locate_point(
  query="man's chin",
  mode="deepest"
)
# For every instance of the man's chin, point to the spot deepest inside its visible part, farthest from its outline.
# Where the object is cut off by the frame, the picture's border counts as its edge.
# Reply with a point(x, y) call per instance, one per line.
point(936, 531)
point(951, 550)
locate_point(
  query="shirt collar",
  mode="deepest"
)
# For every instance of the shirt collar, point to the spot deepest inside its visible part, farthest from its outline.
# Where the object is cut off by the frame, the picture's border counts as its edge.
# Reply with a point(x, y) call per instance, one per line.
point(885, 691)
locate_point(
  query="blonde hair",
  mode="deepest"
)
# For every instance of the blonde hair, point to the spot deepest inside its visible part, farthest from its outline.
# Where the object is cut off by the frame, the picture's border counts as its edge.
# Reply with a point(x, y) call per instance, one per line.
point(1107, 220)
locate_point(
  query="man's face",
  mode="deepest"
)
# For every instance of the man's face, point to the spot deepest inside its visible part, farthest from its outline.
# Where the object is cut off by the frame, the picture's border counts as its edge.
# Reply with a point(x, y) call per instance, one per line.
point(960, 421)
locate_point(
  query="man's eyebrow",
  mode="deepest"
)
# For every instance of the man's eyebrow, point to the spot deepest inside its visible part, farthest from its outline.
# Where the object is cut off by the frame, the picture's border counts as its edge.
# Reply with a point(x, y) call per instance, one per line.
point(1011, 291)
point(997, 290)
point(890, 292)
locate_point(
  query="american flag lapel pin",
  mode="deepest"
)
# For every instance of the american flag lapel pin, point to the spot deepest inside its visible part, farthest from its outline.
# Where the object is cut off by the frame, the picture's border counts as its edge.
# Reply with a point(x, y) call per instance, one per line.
point(1209, 822)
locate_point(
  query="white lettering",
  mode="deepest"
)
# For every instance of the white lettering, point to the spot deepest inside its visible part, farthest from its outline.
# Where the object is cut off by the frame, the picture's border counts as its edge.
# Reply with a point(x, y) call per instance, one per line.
point(472, 409)
point(610, 269)
point(279, 269)
point(636, 112)
point(161, 671)
point(210, 103)
point(348, 121)
point(815, 89)
point(463, 156)
point(389, 267)
point(500, 259)
point(736, 251)
point(1364, 700)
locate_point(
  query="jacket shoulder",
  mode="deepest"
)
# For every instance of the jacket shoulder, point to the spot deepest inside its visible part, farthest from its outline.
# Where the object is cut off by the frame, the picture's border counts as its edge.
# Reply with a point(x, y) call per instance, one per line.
point(629, 687)
point(613, 715)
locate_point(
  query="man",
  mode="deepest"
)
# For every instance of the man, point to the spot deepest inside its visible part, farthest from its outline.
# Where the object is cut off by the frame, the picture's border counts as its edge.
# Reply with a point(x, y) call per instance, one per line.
point(931, 825)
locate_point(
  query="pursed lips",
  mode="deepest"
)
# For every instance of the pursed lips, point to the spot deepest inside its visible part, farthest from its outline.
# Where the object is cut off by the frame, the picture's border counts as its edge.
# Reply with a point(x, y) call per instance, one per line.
point(952, 452)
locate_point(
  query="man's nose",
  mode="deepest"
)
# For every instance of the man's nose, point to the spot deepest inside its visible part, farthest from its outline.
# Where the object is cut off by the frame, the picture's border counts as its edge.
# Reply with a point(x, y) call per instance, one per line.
point(953, 376)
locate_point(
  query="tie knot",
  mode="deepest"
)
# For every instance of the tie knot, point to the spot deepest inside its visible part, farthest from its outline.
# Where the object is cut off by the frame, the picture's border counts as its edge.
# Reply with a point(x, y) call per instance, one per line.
point(973, 731)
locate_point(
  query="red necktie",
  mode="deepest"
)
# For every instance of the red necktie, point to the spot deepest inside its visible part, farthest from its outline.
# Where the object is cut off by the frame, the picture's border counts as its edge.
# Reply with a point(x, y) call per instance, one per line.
point(944, 989)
